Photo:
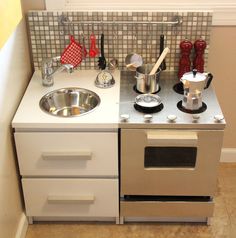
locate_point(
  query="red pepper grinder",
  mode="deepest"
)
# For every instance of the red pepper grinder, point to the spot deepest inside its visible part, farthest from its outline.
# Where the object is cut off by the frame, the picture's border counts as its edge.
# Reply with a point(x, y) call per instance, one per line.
point(184, 62)
point(198, 62)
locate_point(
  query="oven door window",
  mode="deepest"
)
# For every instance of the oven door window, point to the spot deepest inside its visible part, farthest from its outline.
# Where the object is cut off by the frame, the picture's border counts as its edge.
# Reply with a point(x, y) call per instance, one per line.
point(170, 157)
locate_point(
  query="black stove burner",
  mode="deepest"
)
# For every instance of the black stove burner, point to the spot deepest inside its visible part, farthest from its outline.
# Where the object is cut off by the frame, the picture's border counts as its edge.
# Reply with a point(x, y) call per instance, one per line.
point(147, 109)
point(136, 90)
point(200, 110)
point(178, 88)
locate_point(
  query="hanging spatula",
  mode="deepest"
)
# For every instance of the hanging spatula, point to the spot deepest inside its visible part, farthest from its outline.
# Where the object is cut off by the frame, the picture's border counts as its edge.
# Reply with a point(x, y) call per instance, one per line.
point(102, 60)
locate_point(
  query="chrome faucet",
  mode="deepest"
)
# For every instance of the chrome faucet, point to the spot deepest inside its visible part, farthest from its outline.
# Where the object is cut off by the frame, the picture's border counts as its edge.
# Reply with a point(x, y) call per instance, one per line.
point(48, 71)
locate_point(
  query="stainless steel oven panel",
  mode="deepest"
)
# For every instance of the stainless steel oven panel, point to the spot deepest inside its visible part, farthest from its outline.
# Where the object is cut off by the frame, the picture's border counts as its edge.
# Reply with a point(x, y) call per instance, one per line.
point(166, 209)
point(136, 179)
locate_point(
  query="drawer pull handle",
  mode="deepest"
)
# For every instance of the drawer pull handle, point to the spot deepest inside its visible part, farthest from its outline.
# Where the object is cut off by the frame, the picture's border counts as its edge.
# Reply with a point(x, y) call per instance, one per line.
point(178, 138)
point(78, 155)
point(71, 199)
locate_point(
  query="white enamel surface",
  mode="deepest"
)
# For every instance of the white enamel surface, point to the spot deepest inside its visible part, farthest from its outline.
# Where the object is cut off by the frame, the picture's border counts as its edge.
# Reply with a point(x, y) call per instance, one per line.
point(105, 116)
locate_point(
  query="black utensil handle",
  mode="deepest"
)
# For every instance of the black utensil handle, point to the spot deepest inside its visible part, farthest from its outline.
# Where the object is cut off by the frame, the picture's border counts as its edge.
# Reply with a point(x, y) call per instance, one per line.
point(194, 72)
point(209, 79)
point(162, 40)
point(102, 45)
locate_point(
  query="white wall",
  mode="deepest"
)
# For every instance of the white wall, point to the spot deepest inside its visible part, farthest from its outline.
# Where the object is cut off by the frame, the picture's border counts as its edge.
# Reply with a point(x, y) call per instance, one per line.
point(224, 12)
point(15, 71)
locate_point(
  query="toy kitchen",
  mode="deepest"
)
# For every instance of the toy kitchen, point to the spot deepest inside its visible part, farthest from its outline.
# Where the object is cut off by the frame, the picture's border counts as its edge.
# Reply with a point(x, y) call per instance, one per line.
point(134, 133)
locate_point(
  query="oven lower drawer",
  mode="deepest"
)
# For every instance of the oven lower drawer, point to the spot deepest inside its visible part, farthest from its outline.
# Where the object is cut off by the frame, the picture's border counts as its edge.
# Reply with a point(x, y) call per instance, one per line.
point(166, 209)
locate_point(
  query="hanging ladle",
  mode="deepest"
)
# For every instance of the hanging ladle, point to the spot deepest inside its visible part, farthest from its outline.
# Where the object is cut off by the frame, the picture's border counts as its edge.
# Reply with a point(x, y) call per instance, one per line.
point(133, 60)
point(159, 61)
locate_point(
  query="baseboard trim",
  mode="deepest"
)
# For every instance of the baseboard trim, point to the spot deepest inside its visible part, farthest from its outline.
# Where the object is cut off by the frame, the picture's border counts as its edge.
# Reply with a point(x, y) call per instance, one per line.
point(22, 227)
point(228, 155)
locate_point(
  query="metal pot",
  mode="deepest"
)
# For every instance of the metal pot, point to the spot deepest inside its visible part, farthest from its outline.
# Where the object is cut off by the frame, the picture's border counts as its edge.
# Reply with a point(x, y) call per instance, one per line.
point(146, 83)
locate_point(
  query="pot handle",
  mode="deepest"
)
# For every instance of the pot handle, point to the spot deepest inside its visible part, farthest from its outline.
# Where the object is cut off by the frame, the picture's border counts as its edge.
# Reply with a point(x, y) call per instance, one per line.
point(209, 79)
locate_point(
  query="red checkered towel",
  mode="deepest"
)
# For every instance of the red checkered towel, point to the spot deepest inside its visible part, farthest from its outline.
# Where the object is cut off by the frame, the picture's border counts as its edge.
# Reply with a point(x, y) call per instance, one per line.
point(72, 54)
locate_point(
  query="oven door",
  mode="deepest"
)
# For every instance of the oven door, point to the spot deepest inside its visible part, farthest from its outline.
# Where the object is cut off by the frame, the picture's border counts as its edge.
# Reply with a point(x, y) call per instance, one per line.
point(169, 162)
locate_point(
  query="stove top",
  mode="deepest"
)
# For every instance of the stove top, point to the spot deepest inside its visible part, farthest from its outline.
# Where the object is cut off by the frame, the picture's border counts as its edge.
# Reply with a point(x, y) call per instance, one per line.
point(170, 116)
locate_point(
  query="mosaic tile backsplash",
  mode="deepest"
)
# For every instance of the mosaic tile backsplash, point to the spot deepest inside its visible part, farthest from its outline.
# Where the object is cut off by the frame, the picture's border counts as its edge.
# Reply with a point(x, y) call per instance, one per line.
point(49, 36)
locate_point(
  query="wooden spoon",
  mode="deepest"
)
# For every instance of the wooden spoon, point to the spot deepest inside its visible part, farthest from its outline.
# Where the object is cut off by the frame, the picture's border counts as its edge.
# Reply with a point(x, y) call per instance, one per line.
point(159, 61)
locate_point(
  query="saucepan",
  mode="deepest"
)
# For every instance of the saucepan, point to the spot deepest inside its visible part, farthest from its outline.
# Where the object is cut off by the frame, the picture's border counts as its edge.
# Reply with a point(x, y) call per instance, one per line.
point(146, 83)
point(148, 75)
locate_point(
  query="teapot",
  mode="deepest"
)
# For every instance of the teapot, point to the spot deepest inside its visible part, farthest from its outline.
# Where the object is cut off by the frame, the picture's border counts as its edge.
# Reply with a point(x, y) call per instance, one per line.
point(194, 83)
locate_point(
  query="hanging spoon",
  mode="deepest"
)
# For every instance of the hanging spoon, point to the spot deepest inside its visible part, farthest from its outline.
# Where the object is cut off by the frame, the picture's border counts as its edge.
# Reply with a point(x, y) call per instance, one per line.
point(84, 51)
point(113, 63)
point(93, 50)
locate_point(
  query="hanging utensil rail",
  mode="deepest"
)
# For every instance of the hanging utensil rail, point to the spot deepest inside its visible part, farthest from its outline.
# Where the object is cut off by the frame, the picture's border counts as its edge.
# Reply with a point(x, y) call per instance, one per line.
point(64, 20)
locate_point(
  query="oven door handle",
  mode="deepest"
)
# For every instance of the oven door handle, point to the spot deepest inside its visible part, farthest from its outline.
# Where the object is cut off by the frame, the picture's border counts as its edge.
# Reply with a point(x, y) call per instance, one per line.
point(169, 139)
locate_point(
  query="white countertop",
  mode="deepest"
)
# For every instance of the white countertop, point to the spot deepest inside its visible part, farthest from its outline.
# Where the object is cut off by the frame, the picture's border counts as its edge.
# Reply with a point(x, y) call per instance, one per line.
point(105, 116)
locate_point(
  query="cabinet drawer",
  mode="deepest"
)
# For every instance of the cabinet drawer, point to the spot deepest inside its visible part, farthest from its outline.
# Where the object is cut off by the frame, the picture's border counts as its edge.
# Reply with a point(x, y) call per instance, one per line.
point(67, 154)
point(71, 197)
point(166, 209)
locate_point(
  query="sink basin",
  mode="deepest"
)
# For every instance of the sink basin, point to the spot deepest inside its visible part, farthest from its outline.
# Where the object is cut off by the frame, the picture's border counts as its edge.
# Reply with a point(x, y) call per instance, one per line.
point(69, 102)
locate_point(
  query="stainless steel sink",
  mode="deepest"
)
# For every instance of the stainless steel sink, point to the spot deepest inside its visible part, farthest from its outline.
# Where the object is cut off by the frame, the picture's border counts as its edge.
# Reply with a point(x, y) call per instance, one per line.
point(69, 102)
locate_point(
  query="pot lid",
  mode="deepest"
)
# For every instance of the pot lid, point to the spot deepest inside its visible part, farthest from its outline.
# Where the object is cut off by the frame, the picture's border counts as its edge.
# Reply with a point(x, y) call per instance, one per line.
point(148, 100)
point(194, 76)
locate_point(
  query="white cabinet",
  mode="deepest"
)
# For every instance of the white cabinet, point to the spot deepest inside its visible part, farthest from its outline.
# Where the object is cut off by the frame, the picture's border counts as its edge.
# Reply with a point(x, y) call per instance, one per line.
point(71, 197)
point(67, 154)
point(69, 174)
